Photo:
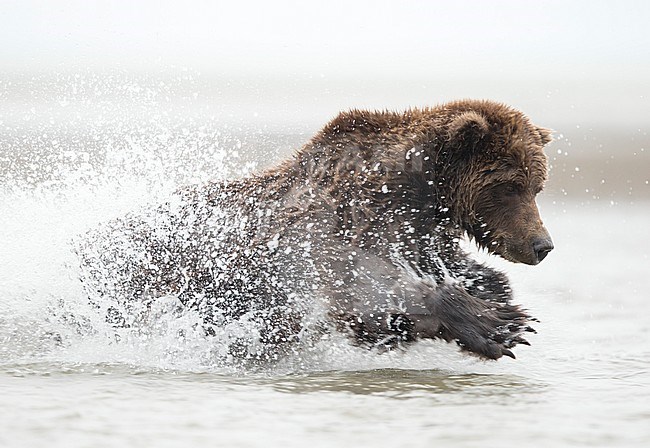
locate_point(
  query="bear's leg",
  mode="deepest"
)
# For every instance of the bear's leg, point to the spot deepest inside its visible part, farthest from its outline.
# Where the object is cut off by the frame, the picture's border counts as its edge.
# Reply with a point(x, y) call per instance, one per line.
point(486, 329)
point(383, 330)
point(484, 282)
point(478, 279)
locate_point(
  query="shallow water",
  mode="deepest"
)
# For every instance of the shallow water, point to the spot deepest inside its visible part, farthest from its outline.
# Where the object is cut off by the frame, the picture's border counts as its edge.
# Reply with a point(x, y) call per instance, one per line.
point(67, 380)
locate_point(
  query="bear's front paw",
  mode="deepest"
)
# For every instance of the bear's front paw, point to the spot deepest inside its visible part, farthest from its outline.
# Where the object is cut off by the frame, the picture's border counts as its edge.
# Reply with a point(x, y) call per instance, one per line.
point(488, 330)
point(494, 332)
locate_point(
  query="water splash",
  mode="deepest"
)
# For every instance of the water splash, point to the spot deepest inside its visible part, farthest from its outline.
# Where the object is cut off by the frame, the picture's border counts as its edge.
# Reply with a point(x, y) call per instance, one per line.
point(63, 178)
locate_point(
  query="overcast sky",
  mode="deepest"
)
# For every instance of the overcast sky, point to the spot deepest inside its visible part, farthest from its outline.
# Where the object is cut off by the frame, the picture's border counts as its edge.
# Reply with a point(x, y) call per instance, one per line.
point(566, 61)
point(559, 37)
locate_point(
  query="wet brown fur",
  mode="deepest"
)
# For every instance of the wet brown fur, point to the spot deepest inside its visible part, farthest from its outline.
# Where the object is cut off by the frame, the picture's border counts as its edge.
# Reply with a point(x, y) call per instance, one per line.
point(383, 199)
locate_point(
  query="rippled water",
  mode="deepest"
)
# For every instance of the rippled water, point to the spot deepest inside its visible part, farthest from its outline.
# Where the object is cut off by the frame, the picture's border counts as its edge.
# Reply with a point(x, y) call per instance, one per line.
point(66, 380)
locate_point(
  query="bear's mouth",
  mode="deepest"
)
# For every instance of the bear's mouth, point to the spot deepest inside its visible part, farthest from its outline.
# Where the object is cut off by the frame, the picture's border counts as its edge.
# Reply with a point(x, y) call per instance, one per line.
point(509, 250)
point(516, 257)
point(522, 252)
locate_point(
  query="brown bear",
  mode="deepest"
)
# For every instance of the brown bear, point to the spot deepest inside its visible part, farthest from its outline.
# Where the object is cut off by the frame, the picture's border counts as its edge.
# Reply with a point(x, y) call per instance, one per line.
point(358, 232)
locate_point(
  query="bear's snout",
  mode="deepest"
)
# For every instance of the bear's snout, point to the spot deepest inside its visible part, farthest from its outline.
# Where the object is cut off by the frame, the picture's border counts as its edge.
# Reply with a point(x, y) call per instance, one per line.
point(541, 247)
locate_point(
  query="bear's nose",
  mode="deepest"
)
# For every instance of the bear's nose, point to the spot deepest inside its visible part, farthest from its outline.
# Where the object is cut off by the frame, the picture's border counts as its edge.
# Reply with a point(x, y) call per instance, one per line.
point(542, 247)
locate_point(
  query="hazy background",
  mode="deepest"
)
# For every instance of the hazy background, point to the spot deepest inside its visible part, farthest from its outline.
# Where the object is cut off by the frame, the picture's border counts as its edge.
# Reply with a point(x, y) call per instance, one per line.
point(284, 68)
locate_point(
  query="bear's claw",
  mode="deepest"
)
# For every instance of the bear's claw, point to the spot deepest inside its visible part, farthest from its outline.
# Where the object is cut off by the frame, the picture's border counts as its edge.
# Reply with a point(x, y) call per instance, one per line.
point(478, 327)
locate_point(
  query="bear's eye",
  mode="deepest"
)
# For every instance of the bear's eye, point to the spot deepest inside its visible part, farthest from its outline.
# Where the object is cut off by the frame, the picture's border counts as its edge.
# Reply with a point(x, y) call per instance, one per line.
point(510, 189)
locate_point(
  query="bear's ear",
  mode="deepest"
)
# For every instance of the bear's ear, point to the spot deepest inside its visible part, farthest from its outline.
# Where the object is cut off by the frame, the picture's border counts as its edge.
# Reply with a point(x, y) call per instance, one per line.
point(546, 135)
point(468, 129)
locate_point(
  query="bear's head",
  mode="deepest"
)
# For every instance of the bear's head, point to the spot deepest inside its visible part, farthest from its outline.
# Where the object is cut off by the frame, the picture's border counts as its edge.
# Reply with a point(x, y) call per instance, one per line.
point(496, 166)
